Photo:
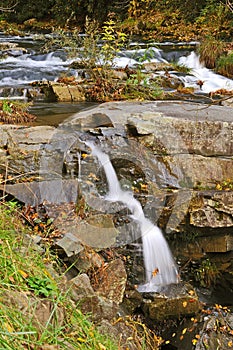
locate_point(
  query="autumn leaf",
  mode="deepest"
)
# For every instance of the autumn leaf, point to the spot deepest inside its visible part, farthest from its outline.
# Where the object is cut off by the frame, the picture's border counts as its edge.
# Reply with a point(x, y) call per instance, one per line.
point(185, 303)
point(155, 272)
point(23, 273)
point(81, 340)
point(191, 292)
point(184, 330)
point(8, 327)
point(11, 278)
point(230, 344)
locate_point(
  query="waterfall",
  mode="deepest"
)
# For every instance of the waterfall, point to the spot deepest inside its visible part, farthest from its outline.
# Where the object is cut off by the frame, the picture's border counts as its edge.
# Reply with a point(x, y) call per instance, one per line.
point(159, 264)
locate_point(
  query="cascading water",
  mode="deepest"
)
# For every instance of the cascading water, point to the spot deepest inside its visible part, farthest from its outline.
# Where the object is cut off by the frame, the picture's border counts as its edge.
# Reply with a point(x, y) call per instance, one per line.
point(159, 264)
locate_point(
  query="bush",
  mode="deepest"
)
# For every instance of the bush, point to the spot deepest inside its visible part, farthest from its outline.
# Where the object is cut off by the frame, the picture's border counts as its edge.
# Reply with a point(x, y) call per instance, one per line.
point(210, 50)
point(224, 65)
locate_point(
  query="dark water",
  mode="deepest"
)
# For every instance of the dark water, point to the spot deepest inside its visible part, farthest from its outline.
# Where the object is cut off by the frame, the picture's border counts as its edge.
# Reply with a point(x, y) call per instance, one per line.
point(54, 113)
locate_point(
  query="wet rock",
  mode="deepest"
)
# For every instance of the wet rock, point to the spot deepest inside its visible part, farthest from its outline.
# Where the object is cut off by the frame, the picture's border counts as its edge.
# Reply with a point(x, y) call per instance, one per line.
point(173, 302)
point(111, 281)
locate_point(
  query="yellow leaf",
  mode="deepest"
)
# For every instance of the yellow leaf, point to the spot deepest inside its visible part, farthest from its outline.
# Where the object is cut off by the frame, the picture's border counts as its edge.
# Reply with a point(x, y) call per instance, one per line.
point(23, 273)
point(184, 331)
point(230, 343)
point(8, 327)
point(191, 292)
point(81, 340)
point(194, 341)
point(185, 303)
point(101, 346)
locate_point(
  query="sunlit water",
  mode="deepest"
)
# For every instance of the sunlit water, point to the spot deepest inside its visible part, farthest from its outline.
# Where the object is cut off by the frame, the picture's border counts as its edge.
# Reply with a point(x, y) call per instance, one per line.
point(159, 264)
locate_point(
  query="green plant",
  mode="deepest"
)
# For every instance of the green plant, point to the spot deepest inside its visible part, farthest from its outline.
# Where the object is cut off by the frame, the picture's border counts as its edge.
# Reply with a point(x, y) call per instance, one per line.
point(6, 107)
point(113, 41)
point(210, 50)
point(41, 286)
point(206, 274)
point(224, 65)
point(25, 282)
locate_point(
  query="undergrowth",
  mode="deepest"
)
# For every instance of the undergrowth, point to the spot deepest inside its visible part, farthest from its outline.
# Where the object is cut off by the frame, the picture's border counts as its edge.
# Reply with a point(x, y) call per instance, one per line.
point(28, 284)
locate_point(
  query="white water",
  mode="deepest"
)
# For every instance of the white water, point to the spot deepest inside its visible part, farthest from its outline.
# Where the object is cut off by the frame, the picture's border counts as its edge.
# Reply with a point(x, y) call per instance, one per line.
point(30, 65)
point(159, 264)
point(211, 80)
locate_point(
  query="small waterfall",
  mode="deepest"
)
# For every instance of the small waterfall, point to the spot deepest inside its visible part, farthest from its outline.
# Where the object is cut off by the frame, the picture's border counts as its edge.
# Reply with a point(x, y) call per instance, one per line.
point(159, 264)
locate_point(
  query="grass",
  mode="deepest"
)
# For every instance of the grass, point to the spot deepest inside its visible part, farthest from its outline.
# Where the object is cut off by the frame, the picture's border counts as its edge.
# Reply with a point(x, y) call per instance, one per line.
point(224, 65)
point(28, 286)
point(210, 50)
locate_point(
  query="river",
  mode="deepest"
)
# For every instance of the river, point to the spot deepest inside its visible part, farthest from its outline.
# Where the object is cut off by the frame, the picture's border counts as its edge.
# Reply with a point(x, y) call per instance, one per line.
point(26, 63)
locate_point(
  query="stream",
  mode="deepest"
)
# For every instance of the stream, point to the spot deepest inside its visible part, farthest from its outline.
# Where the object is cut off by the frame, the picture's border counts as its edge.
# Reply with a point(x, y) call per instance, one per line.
point(26, 63)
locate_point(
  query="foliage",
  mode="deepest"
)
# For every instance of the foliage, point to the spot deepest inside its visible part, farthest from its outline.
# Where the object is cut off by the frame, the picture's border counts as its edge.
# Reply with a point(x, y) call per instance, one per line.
point(26, 273)
point(113, 41)
point(24, 10)
point(210, 50)
point(224, 65)
point(15, 112)
point(206, 274)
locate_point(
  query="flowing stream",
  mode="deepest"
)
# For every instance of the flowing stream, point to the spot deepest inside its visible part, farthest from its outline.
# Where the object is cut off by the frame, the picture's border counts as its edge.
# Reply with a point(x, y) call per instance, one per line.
point(160, 267)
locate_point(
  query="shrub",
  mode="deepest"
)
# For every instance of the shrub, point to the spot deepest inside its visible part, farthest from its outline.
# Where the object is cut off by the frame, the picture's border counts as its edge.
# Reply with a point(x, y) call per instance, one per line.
point(210, 50)
point(224, 65)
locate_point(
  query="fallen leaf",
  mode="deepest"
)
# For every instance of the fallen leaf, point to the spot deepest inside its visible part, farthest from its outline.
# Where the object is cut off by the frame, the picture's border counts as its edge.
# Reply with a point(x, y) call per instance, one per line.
point(23, 273)
point(185, 303)
point(155, 272)
point(184, 330)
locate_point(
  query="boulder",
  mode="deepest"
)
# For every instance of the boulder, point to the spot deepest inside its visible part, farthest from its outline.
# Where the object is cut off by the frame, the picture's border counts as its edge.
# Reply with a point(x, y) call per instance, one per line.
point(173, 302)
point(111, 281)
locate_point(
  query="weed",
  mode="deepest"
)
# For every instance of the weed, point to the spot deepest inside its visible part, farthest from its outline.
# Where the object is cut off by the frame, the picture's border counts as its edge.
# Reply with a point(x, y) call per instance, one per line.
point(206, 274)
point(224, 65)
point(210, 50)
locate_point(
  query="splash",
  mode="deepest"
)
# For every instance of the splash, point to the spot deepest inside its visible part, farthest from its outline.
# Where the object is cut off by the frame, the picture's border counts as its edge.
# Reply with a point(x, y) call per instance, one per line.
point(159, 264)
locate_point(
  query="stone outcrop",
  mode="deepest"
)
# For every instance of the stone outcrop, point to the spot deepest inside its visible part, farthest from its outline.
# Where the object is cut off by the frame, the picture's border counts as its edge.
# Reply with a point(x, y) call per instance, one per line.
point(175, 156)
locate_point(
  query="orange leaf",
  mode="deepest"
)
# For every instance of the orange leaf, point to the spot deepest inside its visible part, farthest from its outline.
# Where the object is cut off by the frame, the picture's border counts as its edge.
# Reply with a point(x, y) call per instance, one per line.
point(23, 273)
point(155, 272)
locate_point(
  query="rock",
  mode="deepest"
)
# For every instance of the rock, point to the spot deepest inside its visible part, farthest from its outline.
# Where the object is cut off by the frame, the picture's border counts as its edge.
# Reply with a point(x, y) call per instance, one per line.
point(39, 311)
point(173, 302)
point(69, 244)
point(111, 281)
point(38, 192)
point(97, 231)
point(132, 300)
point(216, 333)
point(68, 93)
point(88, 259)
point(80, 287)
point(129, 335)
